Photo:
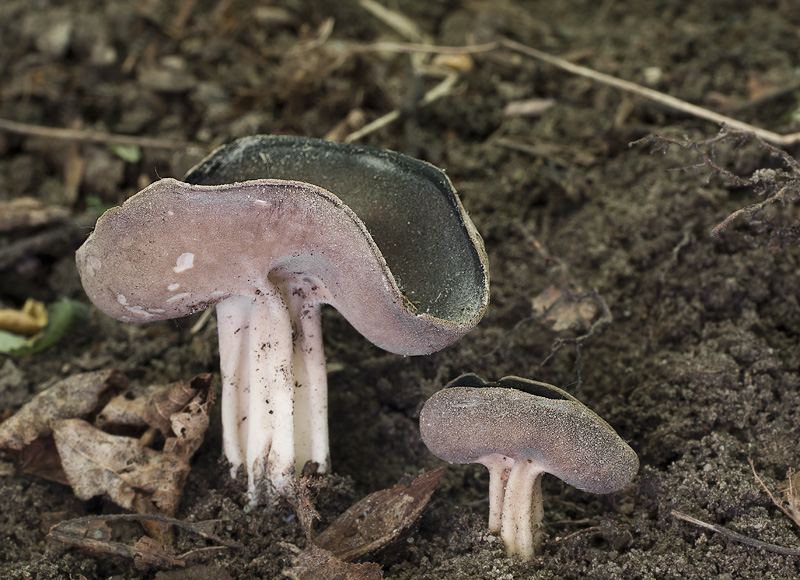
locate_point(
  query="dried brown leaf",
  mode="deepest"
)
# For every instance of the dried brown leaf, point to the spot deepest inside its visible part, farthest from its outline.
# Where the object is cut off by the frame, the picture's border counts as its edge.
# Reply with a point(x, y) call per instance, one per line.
point(122, 411)
point(170, 399)
point(155, 407)
point(97, 463)
point(318, 564)
point(564, 309)
point(41, 459)
point(75, 396)
point(30, 319)
point(379, 519)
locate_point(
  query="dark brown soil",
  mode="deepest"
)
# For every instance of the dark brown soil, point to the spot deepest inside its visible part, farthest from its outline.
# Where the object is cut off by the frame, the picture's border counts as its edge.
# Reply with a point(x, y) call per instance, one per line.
point(698, 369)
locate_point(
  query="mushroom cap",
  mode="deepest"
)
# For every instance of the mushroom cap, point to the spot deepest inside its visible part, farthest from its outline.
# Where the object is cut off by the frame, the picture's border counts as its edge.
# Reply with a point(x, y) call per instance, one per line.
point(175, 248)
point(551, 428)
point(408, 206)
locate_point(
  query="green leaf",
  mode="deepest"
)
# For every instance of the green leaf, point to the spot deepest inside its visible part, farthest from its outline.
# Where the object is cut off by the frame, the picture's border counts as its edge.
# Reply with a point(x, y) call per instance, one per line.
point(10, 341)
point(128, 153)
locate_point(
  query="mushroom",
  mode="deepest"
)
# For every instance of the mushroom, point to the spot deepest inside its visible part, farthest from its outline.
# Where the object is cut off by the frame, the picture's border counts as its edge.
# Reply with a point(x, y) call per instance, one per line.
point(520, 429)
point(391, 248)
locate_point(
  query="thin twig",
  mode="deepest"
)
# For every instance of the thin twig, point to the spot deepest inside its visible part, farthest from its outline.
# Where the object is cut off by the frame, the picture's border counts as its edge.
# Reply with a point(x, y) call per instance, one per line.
point(411, 47)
point(777, 503)
point(437, 92)
point(650, 94)
point(86, 136)
point(591, 530)
point(605, 318)
point(784, 184)
point(736, 536)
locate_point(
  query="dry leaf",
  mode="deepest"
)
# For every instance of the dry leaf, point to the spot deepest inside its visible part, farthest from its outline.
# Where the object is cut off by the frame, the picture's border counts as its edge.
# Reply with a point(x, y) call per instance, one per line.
point(565, 310)
point(792, 495)
point(26, 321)
point(379, 519)
point(41, 459)
point(97, 463)
point(318, 564)
point(172, 398)
point(155, 407)
point(131, 474)
point(75, 396)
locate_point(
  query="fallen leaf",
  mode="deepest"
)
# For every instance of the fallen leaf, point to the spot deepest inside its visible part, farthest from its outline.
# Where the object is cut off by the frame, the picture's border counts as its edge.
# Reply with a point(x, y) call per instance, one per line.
point(379, 519)
point(75, 396)
point(564, 309)
point(155, 407)
point(170, 399)
point(30, 319)
point(61, 316)
point(97, 463)
point(41, 459)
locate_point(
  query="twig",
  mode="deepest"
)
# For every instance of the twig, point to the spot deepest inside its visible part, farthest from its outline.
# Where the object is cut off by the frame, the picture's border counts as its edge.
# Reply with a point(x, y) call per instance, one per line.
point(605, 318)
point(591, 530)
point(437, 92)
point(202, 528)
point(777, 503)
point(411, 47)
point(779, 185)
point(650, 94)
point(85, 136)
point(736, 536)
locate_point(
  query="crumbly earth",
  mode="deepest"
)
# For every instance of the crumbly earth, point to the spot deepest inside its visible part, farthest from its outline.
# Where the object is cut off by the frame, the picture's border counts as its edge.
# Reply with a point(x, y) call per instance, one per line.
point(697, 370)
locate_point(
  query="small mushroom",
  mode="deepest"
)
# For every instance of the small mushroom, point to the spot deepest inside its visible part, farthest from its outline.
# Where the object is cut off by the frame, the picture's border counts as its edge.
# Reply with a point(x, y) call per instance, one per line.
point(520, 429)
point(268, 229)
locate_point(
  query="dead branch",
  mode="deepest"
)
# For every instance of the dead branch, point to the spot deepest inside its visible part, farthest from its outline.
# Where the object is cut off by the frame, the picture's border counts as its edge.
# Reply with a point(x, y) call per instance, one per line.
point(742, 539)
point(87, 136)
point(650, 94)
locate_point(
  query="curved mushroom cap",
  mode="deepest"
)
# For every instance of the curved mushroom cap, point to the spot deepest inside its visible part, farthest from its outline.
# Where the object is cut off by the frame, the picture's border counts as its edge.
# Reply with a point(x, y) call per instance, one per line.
point(409, 207)
point(176, 248)
point(551, 428)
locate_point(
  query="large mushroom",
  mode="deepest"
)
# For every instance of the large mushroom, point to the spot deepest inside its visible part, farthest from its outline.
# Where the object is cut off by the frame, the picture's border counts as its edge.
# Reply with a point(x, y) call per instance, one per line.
point(520, 429)
point(268, 229)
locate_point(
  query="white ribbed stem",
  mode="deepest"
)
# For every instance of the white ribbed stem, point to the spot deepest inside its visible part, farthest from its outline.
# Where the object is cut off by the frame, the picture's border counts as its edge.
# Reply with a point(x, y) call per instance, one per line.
point(270, 438)
point(233, 320)
point(499, 467)
point(521, 527)
point(311, 381)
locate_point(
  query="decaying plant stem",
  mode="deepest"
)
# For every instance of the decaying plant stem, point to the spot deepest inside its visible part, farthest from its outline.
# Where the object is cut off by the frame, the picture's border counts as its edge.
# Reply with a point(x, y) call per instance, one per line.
point(775, 184)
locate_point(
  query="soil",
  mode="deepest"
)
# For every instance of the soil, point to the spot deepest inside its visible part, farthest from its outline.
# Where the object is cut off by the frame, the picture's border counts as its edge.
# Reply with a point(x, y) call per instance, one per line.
point(697, 369)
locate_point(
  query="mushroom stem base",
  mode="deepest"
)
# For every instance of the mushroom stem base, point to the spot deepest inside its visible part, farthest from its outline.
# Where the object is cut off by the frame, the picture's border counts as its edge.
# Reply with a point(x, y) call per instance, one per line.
point(521, 527)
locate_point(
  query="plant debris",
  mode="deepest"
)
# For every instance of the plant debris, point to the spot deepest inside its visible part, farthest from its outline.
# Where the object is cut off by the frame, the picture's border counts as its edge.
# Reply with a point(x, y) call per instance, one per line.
point(30, 319)
point(75, 396)
point(318, 564)
point(132, 473)
point(772, 184)
point(565, 309)
point(51, 325)
point(94, 535)
point(380, 519)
